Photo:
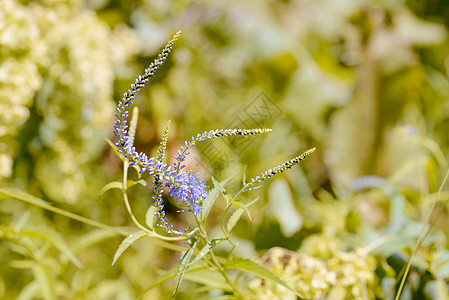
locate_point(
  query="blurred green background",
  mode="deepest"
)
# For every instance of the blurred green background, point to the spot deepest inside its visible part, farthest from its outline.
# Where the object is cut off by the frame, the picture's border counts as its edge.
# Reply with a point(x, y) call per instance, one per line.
point(365, 82)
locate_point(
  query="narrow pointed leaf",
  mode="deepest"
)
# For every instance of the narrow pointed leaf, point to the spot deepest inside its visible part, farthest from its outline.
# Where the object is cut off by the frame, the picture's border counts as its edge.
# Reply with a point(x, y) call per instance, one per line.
point(236, 216)
point(46, 282)
point(128, 241)
point(91, 238)
point(222, 190)
point(256, 269)
point(55, 240)
point(202, 253)
point(170, 274)
point(211, 197)
point(243, 206)
point(182, 268)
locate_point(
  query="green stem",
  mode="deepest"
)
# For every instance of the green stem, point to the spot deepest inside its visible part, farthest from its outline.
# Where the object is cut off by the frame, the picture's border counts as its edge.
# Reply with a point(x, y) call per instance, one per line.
point(420, 237)
point(225, 275)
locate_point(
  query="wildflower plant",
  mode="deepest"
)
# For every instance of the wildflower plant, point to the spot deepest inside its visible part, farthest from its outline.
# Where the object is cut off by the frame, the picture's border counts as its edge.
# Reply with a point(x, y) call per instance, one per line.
point(188, 189)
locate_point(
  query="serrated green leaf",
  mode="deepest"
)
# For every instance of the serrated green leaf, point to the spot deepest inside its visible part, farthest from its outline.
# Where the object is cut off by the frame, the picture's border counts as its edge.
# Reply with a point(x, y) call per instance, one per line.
point(210, 200)
point(55, 240)
point(149, 216)
point(222, 190)
point(242, 206)
point(128, 241)
point(182, 268)
point(256, 269)
point(236, 216)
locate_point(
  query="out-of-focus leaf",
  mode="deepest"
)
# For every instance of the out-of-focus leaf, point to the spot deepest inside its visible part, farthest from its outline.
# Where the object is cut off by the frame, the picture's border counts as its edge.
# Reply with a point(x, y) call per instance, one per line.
point(442, 265)
point(251, 267)
point(182, 268)
point(23, 196)
point(209, 278)
point(53, 238)
point(30, 291)
point(91, 238)
point(338, 292)
point(283, 208)
point(128, 241)
point(236, 216)
point(149, 216)
point(170, 274)
point(46, 282)
point(442, 289)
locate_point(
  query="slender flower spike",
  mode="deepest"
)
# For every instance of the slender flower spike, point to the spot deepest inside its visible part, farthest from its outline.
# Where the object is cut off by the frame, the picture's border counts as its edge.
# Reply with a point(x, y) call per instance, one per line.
point(120, 127)
point(279, 169)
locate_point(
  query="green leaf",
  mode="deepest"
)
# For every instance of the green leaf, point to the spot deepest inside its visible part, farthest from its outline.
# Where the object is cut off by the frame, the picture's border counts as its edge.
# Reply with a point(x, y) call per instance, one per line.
point(119, 185)
point(114, 147)
point(110, 186)
point(442, 289)
point(242, 206)
point(251, 267)
point(128, 241)
point(91, 238)
point(149, 216)
point(46, 282)
point(54, 239)
point(182, 268)
point(170, 274)
point(131, 183)
point(204, 251)
point(211, 197)
point(23, 196)
point(236, 216)
point(222, 190)
point(209, 278)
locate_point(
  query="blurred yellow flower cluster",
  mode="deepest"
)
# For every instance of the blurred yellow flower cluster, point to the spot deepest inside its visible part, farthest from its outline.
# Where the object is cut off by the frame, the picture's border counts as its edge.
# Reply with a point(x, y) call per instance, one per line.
point(320, 269)
point(57, 61)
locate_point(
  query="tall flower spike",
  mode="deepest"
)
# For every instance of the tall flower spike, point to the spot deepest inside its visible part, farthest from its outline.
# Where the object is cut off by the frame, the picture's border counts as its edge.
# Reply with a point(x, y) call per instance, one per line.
point(120, 127)
point(213, 134)
point(161, 151)
point(133, 126)
point(279, 169)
